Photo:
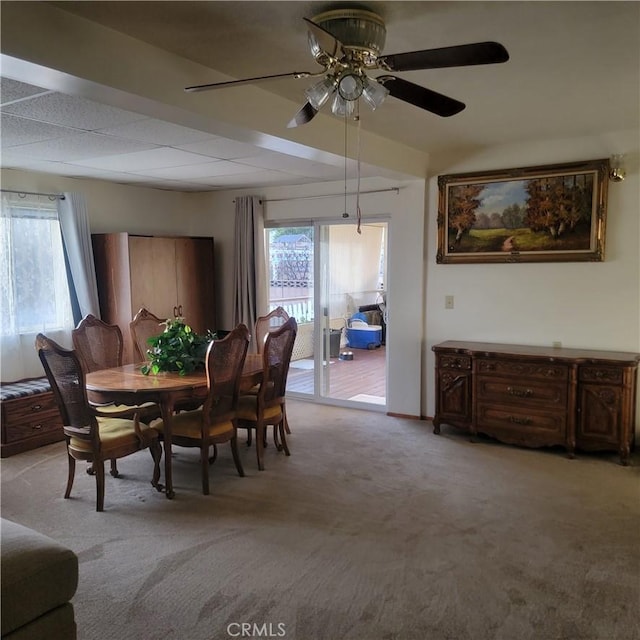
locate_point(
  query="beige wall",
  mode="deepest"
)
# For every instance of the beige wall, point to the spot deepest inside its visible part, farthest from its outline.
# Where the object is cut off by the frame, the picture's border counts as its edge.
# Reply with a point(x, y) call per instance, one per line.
point(591, 305)
point(594, 305)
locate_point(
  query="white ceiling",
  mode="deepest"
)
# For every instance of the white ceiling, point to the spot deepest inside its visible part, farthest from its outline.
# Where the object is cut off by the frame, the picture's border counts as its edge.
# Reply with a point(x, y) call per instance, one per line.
point(50, 132)
point(574, 69)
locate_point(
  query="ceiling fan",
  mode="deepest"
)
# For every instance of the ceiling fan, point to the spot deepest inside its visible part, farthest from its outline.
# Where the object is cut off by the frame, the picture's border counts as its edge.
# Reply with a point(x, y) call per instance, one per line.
point(348, 44)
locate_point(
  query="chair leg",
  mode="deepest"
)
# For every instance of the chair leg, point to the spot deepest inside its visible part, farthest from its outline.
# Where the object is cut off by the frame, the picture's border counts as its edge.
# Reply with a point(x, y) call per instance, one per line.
point(99, 469)
point(286, 420)
point(204, 466)
point(114, 468)
point(260, 436)
point(249, 434)
point(276, 438)
point(282, 429)
point(72, 473)
point(212, 459)
point(236, 456)
point(156, 454)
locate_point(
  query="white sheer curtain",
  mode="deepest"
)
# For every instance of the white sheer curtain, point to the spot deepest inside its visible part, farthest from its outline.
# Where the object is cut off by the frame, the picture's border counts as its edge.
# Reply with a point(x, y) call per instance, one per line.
point(249, 273)
point(33, 283)
point(76, 235)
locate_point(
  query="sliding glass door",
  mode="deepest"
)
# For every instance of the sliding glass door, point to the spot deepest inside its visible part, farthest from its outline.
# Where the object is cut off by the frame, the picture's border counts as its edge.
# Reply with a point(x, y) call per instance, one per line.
point(324, 275)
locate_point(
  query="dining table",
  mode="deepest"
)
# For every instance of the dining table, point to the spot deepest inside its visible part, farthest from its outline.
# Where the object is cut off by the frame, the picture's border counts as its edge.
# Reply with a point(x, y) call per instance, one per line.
point(129, 386)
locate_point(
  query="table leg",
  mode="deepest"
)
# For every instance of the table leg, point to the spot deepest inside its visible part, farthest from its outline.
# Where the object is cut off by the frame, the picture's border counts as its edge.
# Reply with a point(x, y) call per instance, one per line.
point(166, 408)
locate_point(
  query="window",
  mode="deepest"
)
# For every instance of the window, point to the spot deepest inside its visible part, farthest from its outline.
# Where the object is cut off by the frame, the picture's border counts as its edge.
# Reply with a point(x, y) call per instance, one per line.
point(34, 292)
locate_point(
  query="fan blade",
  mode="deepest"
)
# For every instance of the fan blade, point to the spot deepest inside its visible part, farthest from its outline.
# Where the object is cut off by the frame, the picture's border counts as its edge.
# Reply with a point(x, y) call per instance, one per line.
point(458, 56)
point(237, 83)
point(421, 97)
point(328, 43)
point(306, 114)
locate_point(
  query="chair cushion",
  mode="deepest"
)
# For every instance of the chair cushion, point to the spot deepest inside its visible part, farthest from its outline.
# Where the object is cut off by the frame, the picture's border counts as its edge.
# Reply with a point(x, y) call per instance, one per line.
point(114, 433)
point(38, 575)
point(248, 409)
point(188, 424)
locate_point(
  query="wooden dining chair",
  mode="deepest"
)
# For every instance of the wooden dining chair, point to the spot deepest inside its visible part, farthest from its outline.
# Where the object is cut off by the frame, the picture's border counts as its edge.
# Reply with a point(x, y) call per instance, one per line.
point(89, 436)
point(144, 325)
point(264, 324)
point(99, 345)
point(215, 422)
point(267, 407)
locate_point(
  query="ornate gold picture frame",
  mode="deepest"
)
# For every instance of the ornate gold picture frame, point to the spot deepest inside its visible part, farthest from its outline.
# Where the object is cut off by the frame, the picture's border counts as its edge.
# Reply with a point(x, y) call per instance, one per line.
point(553, 213)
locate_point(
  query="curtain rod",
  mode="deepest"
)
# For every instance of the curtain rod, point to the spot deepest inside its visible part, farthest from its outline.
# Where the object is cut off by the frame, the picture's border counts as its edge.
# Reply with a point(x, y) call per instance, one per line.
point(59, 196)
point(333, 195)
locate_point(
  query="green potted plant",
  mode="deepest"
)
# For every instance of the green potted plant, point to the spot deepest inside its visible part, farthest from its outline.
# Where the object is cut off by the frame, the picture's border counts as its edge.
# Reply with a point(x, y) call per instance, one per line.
point(178, 348)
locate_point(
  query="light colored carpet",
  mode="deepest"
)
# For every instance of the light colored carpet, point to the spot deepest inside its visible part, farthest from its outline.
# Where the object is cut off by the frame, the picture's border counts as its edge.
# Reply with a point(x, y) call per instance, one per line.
point(373, 529)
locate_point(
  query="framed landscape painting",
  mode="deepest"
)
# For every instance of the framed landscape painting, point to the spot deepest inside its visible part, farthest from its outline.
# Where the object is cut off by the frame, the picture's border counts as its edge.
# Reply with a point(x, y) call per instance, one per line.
point(554, 213)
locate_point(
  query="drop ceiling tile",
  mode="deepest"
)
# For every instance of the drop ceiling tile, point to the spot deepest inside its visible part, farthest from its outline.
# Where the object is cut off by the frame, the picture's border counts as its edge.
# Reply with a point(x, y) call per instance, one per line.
point(273, 160)
point(138, 161)
point(11, 161)
point(80, 146)
point(221, 148)
point(257, 178)
point(11, 90)
point(18, 131)
point(158, 132)
point(71, 111)
point(209, 169)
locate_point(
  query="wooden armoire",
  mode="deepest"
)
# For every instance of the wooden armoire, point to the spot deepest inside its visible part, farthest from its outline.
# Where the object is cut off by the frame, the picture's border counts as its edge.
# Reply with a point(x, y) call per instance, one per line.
point(169, 276)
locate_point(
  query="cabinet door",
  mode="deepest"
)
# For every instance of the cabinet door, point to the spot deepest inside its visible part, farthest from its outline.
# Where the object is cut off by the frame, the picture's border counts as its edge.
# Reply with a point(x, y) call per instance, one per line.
point(194, 273)
point(454, 397)
point(600, 418)
point(153, 275)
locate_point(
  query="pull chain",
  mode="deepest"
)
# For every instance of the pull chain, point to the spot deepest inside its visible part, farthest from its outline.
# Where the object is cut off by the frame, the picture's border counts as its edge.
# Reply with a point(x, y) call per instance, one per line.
point(358, 212)
point(345, 214)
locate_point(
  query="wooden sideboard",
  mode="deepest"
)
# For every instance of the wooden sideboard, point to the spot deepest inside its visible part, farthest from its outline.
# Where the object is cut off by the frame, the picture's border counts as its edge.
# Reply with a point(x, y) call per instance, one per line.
point(538, 396)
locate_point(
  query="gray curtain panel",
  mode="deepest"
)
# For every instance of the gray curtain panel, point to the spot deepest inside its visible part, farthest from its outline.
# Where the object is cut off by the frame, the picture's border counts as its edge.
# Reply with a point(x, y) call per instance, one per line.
point(250, 293)
point(76, 237)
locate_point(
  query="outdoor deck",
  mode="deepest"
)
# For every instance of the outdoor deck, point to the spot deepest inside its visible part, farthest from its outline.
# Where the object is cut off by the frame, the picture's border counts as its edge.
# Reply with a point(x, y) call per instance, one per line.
point(362, 378)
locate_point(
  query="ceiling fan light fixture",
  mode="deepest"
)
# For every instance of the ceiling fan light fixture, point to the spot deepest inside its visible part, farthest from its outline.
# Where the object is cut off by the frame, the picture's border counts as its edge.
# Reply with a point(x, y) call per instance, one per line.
point(342, 107)
point(374, 93)
point(350, 86)
point(320, 92)
point(356, 28)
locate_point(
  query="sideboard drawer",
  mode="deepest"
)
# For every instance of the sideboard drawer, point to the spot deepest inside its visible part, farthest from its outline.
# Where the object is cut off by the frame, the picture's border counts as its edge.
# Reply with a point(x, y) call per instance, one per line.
point(522, 391)
point(595, 373)
point(528, 421)
point(513, 368)
point(462, 363)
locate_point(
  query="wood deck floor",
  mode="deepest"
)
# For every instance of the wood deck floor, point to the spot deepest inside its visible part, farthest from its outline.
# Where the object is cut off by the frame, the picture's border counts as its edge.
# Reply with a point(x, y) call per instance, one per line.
point(355, 379)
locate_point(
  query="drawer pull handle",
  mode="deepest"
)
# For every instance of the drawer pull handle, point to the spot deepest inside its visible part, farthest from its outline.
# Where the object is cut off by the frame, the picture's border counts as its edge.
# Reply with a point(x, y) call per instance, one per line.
point(36, 427)
point(517, 420)
point(520, 393)
point(36, 407)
